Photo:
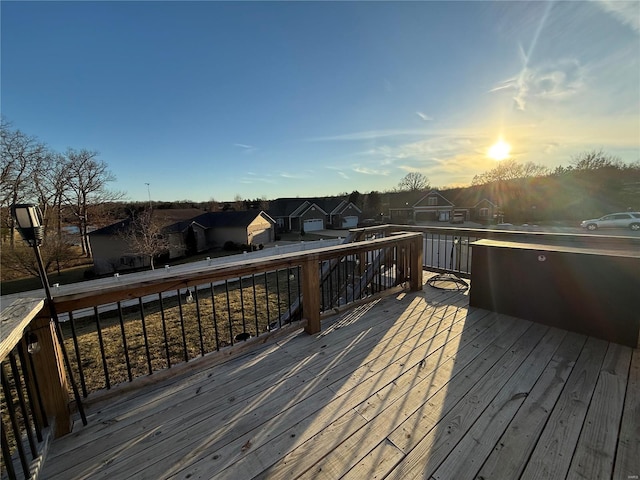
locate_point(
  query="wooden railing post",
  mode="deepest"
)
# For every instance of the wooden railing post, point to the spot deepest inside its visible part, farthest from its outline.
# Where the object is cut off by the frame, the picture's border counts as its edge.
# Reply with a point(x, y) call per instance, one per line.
point(52, 379)
point(415, 264)
point(311, 294)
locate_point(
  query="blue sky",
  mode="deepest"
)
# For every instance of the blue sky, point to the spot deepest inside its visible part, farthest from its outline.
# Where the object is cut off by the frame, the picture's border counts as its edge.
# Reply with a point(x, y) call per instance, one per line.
point(210, 100)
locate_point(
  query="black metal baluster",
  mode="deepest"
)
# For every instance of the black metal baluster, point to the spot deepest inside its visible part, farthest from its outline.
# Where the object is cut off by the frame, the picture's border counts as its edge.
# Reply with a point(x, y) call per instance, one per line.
point(289, 274)
point(195, 298)
point(100, 341)
point(6, 454)
point(29, 389)
point(331, 292)
point(184, 335)
point(266, 296)
point(255, 303)
point(244, 325)
point(23, 406)
point(164, 330)
point(76, 347)
point(145, 336)
point(226, 288)
point(124, 342)
point(298, 280)
point(278, 291)
point(14, 422)
point(215, 316)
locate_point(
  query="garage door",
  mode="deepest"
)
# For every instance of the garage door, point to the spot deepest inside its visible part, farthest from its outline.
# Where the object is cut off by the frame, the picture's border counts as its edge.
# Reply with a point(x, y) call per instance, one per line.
point(313, 225)
point(350, 222)
point(261, 237)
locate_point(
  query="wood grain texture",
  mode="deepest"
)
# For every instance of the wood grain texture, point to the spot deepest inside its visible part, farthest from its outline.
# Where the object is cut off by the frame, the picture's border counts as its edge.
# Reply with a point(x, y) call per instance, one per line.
point(413, 385)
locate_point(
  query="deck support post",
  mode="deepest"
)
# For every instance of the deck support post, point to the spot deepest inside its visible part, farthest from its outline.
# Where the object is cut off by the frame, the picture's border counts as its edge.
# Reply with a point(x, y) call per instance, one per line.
point(311, 294)
point(52, 378)
point(415, 264)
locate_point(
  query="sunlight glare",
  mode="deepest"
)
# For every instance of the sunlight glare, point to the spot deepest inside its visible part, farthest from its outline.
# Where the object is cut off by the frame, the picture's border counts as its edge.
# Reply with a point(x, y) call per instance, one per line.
point(499, 150)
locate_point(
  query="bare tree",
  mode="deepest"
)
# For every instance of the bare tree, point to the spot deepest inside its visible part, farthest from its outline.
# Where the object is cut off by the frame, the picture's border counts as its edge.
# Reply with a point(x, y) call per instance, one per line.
point(510, 170)
point(88, 178)
point(414, 182)
point(595, 160)
point(23, 161)
point(145, 237)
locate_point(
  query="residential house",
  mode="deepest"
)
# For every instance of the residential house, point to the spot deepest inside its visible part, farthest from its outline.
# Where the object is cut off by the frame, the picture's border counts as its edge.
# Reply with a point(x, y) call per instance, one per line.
point(214, 229)
point(313, 214)
point(441, 206)
point(112, 252)
point(196, 233)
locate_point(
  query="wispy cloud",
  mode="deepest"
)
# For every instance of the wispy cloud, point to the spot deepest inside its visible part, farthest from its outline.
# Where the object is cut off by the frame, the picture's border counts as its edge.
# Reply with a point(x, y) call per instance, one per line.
point(367, 135)
point(246, 148)
point(370, 171)
point(424, 117)
point(554, 82)
point(627, 13)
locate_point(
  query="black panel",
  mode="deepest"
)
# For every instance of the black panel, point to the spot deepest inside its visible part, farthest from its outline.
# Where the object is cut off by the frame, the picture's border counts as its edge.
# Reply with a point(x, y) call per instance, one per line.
point(598, 295)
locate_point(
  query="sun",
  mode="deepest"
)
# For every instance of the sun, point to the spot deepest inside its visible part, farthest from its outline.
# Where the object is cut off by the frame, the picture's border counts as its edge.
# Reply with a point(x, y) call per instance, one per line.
point(499, 150)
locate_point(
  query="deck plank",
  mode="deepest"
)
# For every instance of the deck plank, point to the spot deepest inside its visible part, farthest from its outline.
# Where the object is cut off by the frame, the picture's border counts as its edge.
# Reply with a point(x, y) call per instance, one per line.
point(392, 407)
point(596, 447)
point(412, 394)
point(347, 397)
point(511, 452)
point(627, 458)
point(467, 457)
point(414, 385)
point(552, 456)
point(458, 412)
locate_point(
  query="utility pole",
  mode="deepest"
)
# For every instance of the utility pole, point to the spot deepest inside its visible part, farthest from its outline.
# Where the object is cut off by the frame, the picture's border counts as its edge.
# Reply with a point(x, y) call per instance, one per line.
point(149, 192)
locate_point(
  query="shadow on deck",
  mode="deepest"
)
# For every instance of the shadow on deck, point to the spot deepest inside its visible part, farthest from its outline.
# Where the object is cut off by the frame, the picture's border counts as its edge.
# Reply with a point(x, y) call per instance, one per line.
point(416, 385)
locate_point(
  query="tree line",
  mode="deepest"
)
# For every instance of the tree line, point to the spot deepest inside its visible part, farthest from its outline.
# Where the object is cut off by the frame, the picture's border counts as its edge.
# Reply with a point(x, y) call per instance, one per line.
point(72, 189)
point(69, 187)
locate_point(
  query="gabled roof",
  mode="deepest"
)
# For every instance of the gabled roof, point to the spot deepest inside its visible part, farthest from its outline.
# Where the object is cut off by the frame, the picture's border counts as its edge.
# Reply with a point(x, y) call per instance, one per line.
point(112, 229)
point(295, 207)
point(228, 219)
point(466, 197)
point(433, 193)
point(163, 216)
point(403, 200)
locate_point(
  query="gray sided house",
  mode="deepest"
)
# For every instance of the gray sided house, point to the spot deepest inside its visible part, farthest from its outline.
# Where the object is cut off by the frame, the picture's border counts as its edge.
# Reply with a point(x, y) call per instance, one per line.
point(441, 206)
point(313, 214)
point(214, 229)
point(112, 253)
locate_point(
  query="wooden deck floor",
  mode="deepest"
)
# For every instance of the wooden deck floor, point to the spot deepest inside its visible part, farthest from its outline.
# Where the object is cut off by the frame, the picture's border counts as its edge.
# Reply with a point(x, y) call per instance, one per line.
point(411, 386)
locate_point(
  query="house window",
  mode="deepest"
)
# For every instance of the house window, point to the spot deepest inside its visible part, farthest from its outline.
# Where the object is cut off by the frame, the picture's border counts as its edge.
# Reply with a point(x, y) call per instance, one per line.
point(483, 212)
point(431, 201)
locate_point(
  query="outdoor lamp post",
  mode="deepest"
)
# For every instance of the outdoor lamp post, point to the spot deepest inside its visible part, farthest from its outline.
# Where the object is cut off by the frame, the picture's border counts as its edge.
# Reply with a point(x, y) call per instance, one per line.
point(28, 218)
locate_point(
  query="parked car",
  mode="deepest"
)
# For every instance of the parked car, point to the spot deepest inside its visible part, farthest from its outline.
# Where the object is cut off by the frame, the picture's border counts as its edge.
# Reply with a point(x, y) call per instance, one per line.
point(614, 220)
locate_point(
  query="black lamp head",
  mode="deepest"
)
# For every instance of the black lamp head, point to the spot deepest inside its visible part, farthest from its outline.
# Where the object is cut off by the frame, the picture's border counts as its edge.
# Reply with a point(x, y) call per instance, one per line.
point(28, 218)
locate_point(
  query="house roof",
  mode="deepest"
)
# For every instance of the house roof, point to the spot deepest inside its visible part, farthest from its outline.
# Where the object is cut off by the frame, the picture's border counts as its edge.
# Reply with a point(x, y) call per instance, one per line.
point(220, 220)
point(285, 207)
point(406, 200)
point(114, 228)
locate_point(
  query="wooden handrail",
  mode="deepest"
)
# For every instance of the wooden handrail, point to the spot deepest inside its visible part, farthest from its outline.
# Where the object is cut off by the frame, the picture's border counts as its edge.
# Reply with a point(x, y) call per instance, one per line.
point(121, 289)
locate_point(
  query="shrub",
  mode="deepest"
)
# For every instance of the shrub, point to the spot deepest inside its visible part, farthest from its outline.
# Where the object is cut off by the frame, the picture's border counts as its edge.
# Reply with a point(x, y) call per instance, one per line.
point(230, 246)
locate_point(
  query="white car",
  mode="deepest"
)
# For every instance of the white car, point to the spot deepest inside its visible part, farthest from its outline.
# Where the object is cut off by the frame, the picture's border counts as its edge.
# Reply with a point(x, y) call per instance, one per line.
point(614, 220)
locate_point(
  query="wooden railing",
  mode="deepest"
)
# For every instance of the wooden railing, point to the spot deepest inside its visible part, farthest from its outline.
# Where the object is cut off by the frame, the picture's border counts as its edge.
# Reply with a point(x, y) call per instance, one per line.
point(119, 331)
point(448, 249)
point(126, 330)
point(30, 380)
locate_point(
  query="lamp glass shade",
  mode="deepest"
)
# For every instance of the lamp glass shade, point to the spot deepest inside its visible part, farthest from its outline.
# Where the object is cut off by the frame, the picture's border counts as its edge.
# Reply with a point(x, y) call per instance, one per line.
point(28, 218)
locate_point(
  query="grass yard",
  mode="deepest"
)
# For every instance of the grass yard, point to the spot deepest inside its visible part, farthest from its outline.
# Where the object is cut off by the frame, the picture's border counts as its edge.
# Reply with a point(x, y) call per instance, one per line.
point(187, 335)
